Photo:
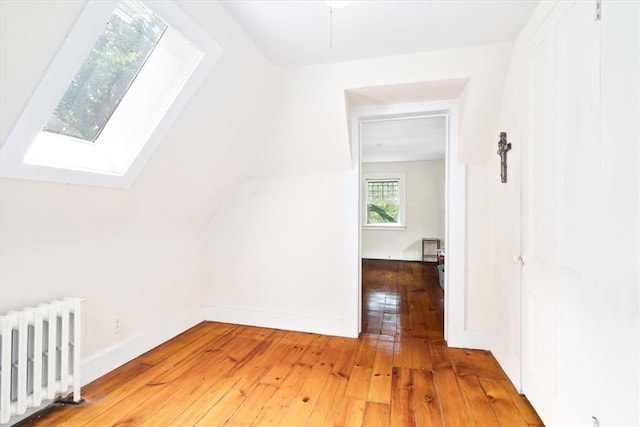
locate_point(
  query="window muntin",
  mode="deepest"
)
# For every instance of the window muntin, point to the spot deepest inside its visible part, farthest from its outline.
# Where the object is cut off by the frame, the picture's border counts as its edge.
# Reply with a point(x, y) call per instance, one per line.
point(383, 201)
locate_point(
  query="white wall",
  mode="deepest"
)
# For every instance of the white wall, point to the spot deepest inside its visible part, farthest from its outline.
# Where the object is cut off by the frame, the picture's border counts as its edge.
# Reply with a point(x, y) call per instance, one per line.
point(619, 391)
point(617, 351)
point(253, 172)
point(310, 145)
point(135, 253)
point(254, 136)
point(424, 209)
point(243, 205)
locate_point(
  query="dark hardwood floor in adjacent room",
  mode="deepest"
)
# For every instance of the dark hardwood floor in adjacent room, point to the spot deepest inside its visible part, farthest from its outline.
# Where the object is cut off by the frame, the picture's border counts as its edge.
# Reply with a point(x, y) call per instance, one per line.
point(399, 373)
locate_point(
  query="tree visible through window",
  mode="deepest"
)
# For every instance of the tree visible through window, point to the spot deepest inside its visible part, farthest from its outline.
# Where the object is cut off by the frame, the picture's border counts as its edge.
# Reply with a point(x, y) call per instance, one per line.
point(119, 54)
point(383, 201)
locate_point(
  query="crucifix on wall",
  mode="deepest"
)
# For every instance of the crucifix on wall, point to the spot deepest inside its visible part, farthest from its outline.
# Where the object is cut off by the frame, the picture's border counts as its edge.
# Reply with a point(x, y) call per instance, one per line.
point(503, 148)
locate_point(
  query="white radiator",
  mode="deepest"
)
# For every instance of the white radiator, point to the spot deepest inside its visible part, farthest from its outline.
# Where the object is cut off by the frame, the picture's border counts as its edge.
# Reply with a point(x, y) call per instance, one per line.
point(39, 356)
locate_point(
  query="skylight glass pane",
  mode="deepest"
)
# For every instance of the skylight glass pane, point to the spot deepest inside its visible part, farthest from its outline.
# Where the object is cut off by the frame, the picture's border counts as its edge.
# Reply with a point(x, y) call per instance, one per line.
point(119, 54)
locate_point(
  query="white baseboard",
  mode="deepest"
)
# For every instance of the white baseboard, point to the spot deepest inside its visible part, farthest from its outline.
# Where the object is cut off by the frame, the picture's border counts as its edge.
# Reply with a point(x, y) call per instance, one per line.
point(105, 362)
point(477, 340)
point(286, 321)
point(392, 258)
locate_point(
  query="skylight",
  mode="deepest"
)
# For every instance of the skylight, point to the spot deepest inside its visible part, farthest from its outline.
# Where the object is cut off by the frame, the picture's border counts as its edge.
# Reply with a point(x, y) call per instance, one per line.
point(119, 54)
point(113, 91)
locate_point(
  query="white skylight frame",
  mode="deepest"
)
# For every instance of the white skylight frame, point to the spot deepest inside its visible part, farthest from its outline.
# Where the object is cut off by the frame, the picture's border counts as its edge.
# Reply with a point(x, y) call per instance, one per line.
point(14, 159)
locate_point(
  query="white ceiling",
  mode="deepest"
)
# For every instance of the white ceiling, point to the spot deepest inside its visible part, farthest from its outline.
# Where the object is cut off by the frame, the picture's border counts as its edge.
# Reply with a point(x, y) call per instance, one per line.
point(297, 32)
point(406, 93)
point(403, 139)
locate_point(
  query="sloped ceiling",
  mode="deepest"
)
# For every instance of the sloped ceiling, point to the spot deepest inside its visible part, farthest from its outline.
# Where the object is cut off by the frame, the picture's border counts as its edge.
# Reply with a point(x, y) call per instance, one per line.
point(309, 32)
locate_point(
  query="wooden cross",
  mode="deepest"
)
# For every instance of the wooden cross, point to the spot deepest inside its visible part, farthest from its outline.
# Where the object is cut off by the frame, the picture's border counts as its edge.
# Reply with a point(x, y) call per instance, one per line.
point(503, 148)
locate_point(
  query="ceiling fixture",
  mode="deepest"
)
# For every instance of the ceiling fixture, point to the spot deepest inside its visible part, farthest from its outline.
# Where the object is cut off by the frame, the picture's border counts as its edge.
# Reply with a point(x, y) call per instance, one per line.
point(333, 4)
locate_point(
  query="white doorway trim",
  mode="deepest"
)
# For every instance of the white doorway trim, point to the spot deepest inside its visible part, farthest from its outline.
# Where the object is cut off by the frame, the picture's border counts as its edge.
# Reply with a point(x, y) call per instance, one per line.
point(455, 213)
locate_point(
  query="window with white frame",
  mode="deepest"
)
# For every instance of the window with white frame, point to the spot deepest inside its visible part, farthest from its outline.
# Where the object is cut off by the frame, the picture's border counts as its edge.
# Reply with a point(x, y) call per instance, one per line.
point(114, 89)
point(384, 200)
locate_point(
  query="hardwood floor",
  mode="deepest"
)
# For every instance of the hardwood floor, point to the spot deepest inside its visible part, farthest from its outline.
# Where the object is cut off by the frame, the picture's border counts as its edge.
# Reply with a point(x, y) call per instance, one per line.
point(399, 373)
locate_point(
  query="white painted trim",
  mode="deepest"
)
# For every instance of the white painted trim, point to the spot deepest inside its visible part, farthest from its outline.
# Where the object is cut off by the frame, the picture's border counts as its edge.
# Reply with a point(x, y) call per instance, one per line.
point(63, 68)
point(352, 272)
point(455, 211)
point(455, 235)
point(285, 321)
point(382, 227)
point(401, 177)
point(105, 362)
point(479, 340)
point(391, 258)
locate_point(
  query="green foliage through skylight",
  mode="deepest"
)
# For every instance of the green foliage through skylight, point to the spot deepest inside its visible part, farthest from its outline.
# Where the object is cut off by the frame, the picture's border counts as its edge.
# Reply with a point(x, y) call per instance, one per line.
point(107, 73)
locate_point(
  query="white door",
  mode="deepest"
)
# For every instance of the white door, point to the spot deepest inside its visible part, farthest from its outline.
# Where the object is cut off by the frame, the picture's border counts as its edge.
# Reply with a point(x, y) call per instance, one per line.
point(560, 188)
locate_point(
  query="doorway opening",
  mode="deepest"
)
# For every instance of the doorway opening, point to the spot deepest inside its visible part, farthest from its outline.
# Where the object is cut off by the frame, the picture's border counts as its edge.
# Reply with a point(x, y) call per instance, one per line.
point(454, 202)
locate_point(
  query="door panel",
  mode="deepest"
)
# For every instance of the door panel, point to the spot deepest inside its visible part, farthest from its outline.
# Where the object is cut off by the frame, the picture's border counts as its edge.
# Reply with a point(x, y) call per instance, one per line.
point(560, 188)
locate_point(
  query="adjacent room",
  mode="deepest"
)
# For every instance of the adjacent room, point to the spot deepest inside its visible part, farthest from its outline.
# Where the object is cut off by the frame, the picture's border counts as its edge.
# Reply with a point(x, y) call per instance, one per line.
point(225, 212)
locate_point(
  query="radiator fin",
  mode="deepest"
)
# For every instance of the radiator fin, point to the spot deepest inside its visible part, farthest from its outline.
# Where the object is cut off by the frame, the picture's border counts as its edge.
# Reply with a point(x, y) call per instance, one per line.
point(39, 356)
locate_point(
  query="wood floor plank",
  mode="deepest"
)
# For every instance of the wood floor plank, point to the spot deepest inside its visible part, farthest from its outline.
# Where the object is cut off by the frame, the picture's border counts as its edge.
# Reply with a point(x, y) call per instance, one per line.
point(286, 392)
point(376, 415)
point(351, 413)
point(438, 352)
point(399, 373)
point(461, 363)
point(367, 350)
point(380, 385)
point(314, 350)
point(173, 384)
point(420, 354)
point(199, 384)
point(95, 391)
point(524, 407)
point(485, 364)
point(358, 385)
point(326, 409)
point(478, 408)
point(402, 352)
point(503, 407)
point(195, 411)
point(428, 412)
point(172, 367)
point(345, 361)
point(293, 346)
point(161, 352)
point(402, 408)
point(170, 399)
point(454, 411)
point(244, 374)
point(300, 409)
point(253, 404)
point(222, 411)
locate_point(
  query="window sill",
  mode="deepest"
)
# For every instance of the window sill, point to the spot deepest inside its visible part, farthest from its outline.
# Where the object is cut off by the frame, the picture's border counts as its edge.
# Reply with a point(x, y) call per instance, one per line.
point(393, 227)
